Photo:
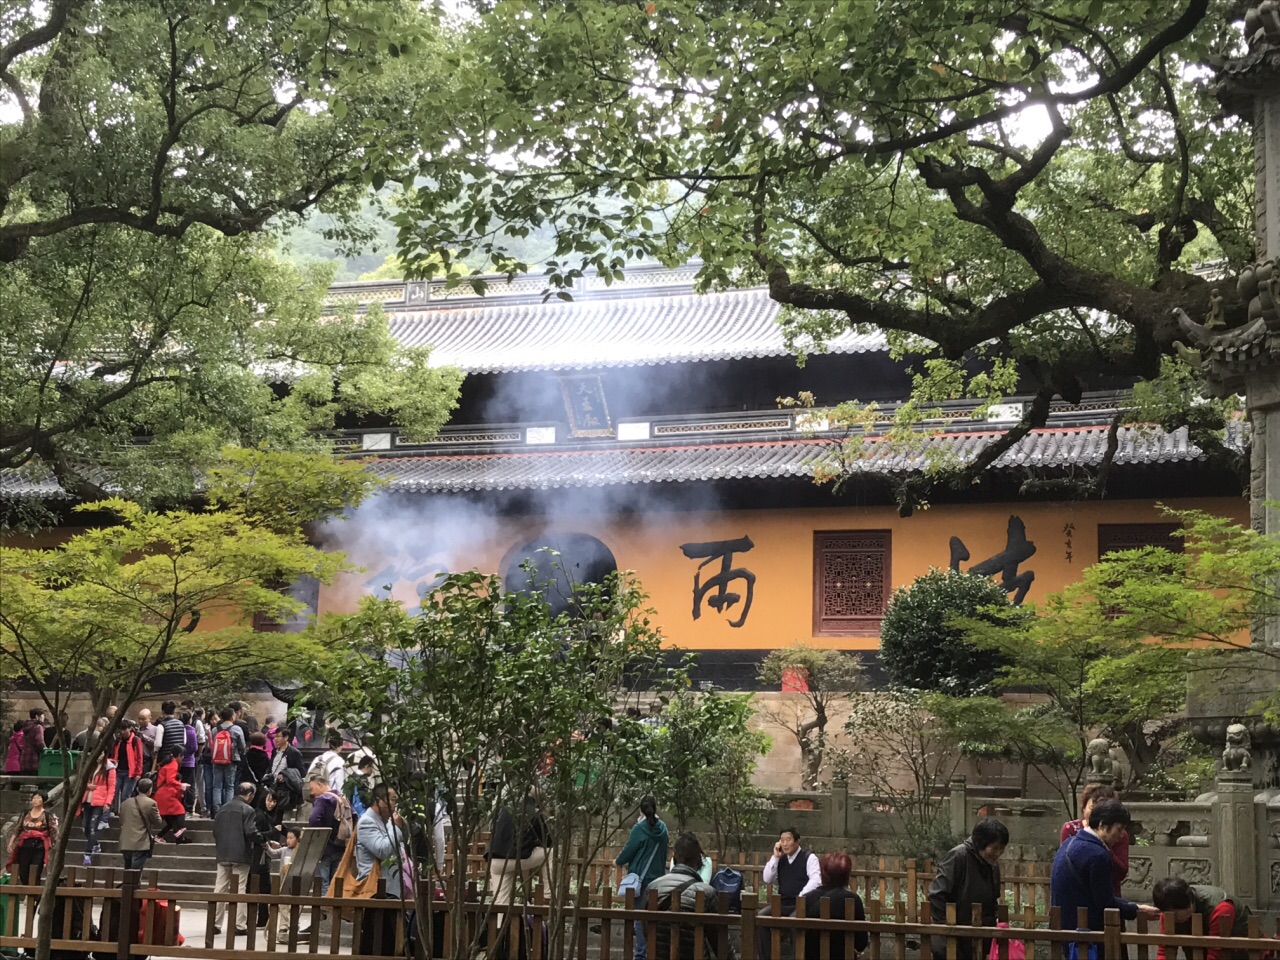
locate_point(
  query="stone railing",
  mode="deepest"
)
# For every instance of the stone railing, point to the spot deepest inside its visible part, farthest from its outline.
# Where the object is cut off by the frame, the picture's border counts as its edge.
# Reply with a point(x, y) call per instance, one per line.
point(1230, 838)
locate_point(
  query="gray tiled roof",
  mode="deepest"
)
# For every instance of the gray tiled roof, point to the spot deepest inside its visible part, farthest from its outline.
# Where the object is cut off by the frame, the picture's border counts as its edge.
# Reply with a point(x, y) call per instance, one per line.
point(607, 332)
point(549, 469)
point(659, 462)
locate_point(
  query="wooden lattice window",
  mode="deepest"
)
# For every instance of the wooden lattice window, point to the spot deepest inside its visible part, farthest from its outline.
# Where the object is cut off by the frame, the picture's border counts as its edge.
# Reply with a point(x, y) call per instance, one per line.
point(1130, 536)
point(851, 582)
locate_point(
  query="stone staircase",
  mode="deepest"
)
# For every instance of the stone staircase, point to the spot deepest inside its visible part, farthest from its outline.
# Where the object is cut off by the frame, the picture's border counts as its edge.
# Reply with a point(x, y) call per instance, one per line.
point(181, 867)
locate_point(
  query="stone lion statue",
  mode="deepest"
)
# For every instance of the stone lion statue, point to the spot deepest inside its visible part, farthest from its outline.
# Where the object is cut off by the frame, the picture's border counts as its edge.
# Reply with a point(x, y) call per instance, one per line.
point(1237, 756)
point(1099, 766)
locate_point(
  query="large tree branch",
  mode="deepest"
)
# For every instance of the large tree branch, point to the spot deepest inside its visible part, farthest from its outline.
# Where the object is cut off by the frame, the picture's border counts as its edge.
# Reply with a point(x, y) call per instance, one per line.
point(914, 489)
point(59, 11)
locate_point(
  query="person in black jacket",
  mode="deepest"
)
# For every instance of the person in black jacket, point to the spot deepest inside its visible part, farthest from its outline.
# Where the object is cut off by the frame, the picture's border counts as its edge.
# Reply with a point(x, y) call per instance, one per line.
point(288, 771)
point(269, 820)
point(969, 874)
point(845, 905)
point(517, 848)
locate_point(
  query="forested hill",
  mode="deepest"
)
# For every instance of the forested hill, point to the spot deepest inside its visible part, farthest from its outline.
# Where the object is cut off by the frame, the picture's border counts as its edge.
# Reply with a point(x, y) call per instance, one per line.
point(308, 242)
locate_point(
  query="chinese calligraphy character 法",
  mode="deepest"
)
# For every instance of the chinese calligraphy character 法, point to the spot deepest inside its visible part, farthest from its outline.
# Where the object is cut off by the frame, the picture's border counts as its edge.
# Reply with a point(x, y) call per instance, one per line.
point(717, 584)
point(1018, 549)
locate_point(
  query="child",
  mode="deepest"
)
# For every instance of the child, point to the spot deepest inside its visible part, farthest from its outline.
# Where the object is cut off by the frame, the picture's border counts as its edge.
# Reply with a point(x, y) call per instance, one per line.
point(285, 855)
point(98, 794)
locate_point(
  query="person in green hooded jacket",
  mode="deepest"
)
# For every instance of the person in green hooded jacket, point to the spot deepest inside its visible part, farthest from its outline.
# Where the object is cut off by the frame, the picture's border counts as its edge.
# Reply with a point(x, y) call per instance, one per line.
point(645, 854)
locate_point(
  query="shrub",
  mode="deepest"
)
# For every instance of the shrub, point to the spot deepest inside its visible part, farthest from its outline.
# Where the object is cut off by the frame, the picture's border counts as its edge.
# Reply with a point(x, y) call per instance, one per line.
point(922, 646)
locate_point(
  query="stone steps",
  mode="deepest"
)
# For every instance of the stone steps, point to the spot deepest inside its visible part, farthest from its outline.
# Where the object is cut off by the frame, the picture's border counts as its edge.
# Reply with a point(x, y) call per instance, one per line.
point(182, 867)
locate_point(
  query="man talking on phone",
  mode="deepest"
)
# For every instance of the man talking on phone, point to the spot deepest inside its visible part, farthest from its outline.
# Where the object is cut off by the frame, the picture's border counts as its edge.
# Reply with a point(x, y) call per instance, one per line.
point(794, 871)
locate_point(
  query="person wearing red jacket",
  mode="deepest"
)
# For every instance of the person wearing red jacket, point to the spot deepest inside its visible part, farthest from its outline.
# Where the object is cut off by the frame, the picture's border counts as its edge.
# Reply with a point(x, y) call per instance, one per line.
point(1092, 793)
point(127, 753)
point(98, 795)
point(1220, 915)
point(170, 796)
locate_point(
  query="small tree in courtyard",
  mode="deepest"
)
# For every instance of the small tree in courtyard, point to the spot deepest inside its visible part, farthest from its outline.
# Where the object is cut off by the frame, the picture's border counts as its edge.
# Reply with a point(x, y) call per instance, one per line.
point(905, 755)
point(823, 680)
point(486, 696)
point(116, 607)
point(921, 645)
point(1110, 653)
point(707, 755)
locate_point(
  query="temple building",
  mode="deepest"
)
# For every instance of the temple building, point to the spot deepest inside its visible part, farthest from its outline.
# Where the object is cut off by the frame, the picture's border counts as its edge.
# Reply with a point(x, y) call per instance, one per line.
point(639, 428)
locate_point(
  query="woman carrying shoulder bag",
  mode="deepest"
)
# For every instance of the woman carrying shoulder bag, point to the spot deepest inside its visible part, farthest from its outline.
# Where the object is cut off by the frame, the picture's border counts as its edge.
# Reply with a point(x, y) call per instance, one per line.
point(645, 856)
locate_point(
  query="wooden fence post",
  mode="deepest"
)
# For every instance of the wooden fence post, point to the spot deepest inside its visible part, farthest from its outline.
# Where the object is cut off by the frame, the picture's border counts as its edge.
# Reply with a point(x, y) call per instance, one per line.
point(913, 891)
point(749, 907)
point(124, 938)
point(1111, 932)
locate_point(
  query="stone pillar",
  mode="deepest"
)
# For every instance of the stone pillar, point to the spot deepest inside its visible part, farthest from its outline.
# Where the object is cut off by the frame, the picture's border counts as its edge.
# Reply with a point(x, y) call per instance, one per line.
point(958, 805)
point(839, 807)
point(1237, 835)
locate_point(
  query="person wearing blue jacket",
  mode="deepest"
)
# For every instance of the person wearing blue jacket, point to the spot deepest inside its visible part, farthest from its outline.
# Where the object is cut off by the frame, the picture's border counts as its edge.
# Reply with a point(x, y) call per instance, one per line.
point(645, 854)
point(1082, 870)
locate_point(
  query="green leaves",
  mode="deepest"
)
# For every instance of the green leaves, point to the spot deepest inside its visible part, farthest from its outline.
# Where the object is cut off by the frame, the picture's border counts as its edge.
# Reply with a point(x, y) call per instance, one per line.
point(923, 643)
point(116, 605)
point(143, 298)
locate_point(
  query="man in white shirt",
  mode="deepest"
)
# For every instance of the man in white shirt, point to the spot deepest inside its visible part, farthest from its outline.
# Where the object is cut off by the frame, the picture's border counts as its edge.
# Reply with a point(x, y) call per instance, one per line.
point(794, 871)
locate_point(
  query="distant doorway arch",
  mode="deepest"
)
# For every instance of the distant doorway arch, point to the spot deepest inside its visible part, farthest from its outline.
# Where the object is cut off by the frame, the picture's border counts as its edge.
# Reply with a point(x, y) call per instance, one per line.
point(533, 569)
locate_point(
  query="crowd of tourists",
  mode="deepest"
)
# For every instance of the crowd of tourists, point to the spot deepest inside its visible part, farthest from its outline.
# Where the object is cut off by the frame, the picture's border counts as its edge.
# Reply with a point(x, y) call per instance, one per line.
point(251, 780)
point(1088, 873)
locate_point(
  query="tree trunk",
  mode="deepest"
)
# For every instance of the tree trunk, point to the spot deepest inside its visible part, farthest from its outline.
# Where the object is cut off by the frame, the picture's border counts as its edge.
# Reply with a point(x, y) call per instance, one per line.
point(58, 853)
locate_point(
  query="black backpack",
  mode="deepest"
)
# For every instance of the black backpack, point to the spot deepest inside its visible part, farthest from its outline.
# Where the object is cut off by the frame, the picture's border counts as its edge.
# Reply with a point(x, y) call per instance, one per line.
point(728, 885)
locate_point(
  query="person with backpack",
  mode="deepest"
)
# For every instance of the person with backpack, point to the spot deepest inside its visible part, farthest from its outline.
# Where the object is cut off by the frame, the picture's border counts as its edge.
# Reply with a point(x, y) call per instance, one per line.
point(684, 882)
point(644, 855)
point(331, 809)
point(330, 763)
point(226, 752)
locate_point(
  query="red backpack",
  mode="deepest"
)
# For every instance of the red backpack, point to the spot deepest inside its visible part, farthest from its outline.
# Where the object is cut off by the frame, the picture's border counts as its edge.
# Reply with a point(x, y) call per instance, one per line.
point(222, 752)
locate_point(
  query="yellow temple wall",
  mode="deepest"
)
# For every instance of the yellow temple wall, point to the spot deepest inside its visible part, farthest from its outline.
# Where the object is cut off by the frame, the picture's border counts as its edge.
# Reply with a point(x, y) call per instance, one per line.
point(395, 552)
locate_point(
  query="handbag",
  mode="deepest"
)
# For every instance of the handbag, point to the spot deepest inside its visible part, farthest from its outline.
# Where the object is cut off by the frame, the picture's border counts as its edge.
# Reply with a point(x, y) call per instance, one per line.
point(1017, 949)
point(353, 888)
point(635, 881)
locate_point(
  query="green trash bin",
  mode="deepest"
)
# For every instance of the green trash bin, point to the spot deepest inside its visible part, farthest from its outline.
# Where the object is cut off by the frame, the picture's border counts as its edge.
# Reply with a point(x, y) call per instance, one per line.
point(51, 762)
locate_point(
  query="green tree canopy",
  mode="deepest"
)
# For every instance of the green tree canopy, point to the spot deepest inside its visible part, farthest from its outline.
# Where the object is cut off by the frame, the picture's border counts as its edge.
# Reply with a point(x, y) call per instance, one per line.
point(143, 149)
point(172, 595)
point(923, 645)
point(486, 693)
point(1004, 189)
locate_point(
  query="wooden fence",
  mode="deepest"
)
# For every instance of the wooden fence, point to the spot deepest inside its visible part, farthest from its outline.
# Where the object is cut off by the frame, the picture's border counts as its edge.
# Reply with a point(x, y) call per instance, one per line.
point(886, 880)
point(601, 931)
